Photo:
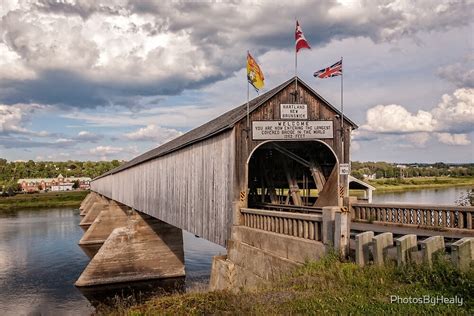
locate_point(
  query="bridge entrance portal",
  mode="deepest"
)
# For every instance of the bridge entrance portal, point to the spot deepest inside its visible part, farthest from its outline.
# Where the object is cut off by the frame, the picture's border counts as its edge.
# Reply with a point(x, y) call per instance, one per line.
point(302, 173)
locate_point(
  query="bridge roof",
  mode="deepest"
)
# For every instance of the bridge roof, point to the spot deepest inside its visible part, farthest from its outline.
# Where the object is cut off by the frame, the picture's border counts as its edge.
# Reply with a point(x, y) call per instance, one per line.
point(221, 123)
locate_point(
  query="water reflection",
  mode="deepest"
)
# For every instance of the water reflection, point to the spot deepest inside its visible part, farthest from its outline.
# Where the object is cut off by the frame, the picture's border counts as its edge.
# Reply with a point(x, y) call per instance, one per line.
point(440, 196)
point(40, 261)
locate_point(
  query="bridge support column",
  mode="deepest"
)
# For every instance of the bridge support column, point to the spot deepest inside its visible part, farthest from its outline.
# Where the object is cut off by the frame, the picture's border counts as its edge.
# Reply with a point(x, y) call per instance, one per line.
point(113, 216)
point(342, 230)
point(462, 253)
point(86, 199)
point(84, 208)
point(145, 249)
point(363, 242)
point(406, 247)
point(430, 246)
point(93, 212)
point(381, 244)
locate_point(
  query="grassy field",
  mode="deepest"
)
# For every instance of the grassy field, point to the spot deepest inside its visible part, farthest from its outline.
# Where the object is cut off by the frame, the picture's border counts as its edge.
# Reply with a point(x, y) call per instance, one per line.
point(325, 287)
point(420, 183)
point(42, 200)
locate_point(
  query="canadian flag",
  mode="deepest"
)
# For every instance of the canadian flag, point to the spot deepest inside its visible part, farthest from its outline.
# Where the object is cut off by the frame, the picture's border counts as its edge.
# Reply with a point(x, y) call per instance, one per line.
point(301, 41)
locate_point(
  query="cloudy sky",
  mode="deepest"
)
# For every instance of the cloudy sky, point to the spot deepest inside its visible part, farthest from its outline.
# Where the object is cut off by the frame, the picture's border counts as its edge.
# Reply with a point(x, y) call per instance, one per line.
point(109, 79)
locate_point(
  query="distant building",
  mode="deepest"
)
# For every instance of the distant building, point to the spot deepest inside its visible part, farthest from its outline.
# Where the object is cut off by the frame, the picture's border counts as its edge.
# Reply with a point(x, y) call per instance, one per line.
point(60, 183)
point(372, 176)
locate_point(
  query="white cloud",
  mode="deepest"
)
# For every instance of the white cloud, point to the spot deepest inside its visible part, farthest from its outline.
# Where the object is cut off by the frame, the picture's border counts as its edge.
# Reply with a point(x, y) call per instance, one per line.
point(453, 139)
point(106, 150)
point(455, 113)
point(14, 117)
point(153, 133)
point(395, 118)
point(86, 136)
point(133, 48)
point(452, 119)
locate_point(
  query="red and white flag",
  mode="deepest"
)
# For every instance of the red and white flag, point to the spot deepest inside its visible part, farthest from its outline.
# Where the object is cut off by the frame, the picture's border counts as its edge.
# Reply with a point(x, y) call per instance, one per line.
point(301, 41)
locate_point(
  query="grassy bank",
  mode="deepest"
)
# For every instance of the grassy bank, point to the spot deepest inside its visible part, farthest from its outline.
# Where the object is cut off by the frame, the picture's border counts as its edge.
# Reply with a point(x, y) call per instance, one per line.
point(326, 287)
point(42, 200)
point(420, 183)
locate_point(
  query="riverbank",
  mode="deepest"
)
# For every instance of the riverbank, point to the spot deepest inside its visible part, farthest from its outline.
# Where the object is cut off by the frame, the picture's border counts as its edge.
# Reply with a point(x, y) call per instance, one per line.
point(383, 185)
point(42, 200)
point(326, 287)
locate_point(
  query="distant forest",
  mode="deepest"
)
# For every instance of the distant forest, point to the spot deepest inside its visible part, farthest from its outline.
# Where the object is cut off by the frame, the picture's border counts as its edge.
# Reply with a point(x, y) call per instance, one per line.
point(380, 170)
point(11, 171)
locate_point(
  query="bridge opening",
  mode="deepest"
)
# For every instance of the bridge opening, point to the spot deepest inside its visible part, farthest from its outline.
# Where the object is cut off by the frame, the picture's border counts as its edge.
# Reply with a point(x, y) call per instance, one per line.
point(302, 173)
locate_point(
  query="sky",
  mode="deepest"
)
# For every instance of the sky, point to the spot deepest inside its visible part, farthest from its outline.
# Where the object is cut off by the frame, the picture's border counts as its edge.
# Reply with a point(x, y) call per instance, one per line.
point(111, 79)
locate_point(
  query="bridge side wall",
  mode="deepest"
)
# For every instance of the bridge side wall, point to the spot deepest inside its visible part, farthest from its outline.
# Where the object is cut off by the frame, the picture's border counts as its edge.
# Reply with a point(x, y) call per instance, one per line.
point(191, 188)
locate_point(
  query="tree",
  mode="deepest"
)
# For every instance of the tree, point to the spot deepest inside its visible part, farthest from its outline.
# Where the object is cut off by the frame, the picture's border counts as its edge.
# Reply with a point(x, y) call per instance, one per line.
point(76, 185)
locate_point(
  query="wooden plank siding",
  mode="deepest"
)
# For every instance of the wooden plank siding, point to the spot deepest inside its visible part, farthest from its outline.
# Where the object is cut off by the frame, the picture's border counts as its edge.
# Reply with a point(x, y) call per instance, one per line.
point(190, 188)
point(194, 182)
point(270, 110)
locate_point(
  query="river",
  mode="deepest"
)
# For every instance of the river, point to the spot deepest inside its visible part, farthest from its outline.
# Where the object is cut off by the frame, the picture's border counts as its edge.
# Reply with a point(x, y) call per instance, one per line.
point(40, 259)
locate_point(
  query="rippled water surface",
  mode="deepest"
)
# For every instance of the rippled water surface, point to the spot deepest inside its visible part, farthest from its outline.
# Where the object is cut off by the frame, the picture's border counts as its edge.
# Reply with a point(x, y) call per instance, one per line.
point(40, 261)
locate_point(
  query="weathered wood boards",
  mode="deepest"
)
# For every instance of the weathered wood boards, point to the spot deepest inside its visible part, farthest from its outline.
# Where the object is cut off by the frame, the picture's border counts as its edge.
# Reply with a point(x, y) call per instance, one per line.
point(190, 188)
point(199, 181)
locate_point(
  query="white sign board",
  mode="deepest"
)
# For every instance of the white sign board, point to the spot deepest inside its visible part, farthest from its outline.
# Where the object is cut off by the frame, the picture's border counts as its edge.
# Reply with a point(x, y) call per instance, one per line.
point(344, 169)
point(293, 111)
point(281, 130)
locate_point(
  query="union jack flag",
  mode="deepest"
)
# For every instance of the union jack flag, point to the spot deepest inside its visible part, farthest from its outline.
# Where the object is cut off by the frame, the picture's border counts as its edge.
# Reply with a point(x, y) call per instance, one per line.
point(331, 71)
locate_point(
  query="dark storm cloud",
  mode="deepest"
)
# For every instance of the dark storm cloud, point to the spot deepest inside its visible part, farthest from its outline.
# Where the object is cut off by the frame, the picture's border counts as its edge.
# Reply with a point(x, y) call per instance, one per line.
point(206, 41)
point(64, 88)
point(82, 8)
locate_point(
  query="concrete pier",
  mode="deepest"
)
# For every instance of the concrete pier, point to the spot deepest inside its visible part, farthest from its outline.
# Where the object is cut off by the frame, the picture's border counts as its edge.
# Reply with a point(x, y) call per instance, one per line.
point(381, 243)
point(113, 216)
point(363, 242)
point(430, 246)
point(146, 249)
point(93, 212)
point(84, 208)
point(406, 245)
point(462, 253)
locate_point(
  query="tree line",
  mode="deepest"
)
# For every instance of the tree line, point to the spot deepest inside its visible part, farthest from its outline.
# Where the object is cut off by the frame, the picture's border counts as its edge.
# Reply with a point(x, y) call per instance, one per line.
point(380, 170)
point(12, 171)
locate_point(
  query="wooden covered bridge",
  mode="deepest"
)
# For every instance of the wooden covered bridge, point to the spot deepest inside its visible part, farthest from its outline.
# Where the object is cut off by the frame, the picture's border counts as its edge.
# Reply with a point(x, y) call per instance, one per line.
point(269, 183)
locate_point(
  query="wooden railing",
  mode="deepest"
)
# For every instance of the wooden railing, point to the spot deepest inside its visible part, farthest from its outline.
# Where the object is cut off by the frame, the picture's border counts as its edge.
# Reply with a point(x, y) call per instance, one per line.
point(429, 216)
point(306, 226)
point(290, 208)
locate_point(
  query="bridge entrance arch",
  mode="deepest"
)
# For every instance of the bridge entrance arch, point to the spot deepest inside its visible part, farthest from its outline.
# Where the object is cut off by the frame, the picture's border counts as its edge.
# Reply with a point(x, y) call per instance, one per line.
point(301, 173)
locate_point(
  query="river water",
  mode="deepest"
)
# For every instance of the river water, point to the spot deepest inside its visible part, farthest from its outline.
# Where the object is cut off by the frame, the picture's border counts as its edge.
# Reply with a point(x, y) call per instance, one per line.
point(40, 259)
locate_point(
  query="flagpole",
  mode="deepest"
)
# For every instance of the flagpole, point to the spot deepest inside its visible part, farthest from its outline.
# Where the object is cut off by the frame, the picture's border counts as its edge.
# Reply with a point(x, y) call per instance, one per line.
point(248, 101)
point(296, 73)
point(342, 111)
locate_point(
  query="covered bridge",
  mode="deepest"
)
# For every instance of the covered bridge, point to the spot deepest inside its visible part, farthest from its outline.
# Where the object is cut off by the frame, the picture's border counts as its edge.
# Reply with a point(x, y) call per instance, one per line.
point(288, 151)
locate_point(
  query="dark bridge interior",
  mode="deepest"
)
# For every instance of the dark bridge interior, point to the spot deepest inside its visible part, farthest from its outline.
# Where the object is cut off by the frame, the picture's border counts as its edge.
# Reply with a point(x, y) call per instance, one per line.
point(291, 173)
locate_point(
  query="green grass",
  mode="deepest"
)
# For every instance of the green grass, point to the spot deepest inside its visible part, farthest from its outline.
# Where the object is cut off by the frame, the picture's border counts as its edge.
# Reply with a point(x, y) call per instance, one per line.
point(420, 183)
point(325, 287)
point(42, 200)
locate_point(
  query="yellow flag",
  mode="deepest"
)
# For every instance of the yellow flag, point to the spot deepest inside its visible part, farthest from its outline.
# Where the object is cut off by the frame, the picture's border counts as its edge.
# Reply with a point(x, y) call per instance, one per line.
point(254, 73)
